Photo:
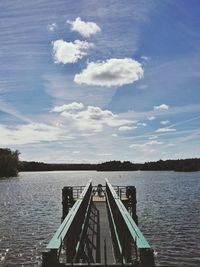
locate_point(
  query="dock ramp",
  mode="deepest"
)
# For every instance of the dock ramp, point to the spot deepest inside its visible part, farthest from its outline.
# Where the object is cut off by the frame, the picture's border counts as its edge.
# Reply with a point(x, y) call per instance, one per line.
point(99, 228)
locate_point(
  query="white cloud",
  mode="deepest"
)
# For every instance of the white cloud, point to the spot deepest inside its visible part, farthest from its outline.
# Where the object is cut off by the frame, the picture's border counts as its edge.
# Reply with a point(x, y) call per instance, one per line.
point(149, 143)
point(7, 108)
point(153, 137)
point(66, 107)
point(145, 58)
point(151, 118)
point(165, 122)
point(114, 135)
point(161, 107)
point(92, 118)
point(154, 143)
point(143, 86)
point(31, 133)
point(126, 128)
point(170, 144)
point(51, 27)
point(96, 114)
point(112, 72)
point(104, 154)
point(84, 28)
point(141, 124)
point(62, 87)
point(69, 52)
point(76, 152)
point(165, 130)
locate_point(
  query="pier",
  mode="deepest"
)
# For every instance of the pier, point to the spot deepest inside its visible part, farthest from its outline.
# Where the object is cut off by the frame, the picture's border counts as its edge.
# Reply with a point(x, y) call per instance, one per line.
point(99, 228)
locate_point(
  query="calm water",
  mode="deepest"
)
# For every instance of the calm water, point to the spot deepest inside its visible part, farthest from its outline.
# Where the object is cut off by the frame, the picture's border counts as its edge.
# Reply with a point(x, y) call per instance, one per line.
point(168, 211)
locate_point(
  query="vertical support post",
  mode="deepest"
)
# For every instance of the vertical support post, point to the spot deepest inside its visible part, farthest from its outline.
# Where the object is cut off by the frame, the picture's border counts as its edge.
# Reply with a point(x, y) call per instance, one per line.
point(131, 195)
point(105, 252)
point(127, 247)
point(67, 200)
point(50, 258)
point(147, 257)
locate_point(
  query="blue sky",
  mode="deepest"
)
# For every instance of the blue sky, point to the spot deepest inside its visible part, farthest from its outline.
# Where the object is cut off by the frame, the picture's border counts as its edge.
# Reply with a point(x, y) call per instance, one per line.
point(91, 81)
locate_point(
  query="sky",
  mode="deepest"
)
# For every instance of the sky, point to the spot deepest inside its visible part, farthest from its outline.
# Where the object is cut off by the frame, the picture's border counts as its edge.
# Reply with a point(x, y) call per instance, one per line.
point(93, 81)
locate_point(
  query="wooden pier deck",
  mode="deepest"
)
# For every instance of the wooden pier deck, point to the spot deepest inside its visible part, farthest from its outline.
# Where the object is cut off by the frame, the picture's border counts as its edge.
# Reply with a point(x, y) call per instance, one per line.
point(105, 234)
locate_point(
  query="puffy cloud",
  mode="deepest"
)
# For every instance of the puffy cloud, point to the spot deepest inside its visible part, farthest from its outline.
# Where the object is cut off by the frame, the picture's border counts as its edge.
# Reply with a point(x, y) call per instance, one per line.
point(66, 107)
point(112, 72)
point(165, 122)
point(69, 52)
point(84, 28)
point(96, 113)
point(161, 107)
point(126, 128)
point(165, 130)
point(149, 143)
point(92, 118)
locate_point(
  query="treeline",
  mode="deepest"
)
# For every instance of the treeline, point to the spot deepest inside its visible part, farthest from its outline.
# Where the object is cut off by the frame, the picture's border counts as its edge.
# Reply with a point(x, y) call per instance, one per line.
point(9, 161)
point(161, 165)
point(27, 166)
point(173, 165)
point(10, 165)
point(116, 165)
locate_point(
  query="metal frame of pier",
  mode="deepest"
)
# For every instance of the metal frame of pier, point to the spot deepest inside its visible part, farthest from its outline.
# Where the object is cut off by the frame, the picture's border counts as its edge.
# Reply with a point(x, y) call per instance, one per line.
point(98, 229)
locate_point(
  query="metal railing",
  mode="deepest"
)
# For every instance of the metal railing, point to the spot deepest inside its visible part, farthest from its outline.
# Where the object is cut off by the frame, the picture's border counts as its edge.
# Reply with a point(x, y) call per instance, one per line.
point(130, 246)
point(129, 243)
point(71, 231)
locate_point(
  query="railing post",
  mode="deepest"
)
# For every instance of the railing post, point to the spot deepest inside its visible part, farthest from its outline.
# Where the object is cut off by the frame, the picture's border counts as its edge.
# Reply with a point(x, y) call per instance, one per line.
point(70, 245)
point(67, 200)
point(50, 258)
point(146, 257)
point(105, 252)
point(127, 246)
point(131, 195)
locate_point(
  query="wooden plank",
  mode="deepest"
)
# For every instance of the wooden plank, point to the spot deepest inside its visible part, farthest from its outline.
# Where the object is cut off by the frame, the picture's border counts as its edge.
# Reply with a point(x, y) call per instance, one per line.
point(105, 234)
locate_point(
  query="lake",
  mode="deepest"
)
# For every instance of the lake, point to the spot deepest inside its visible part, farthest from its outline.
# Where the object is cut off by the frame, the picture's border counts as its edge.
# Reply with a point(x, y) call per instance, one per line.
point(168, 209)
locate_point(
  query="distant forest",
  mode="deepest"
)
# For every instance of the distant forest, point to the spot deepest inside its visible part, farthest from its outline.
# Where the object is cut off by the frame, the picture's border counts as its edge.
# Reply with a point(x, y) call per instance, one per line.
point(161, 165)
point(10, 165)
point(41, 166)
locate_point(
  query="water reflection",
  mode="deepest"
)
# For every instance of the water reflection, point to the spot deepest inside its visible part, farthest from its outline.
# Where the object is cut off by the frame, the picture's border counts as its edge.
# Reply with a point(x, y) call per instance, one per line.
point(168, 211)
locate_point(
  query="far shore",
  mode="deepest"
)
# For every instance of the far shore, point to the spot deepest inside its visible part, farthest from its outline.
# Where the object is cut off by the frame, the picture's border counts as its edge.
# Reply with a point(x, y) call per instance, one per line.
point(180, 165)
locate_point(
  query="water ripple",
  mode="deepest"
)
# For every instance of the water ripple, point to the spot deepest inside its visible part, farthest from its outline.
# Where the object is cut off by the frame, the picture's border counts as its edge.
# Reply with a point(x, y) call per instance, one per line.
point(168, 211)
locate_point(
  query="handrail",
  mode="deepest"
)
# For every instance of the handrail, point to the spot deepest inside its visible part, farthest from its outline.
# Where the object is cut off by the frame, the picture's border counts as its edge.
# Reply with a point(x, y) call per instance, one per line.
point(83, 229)
point(114, 225)
point(62, 231)
point(135, 232)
